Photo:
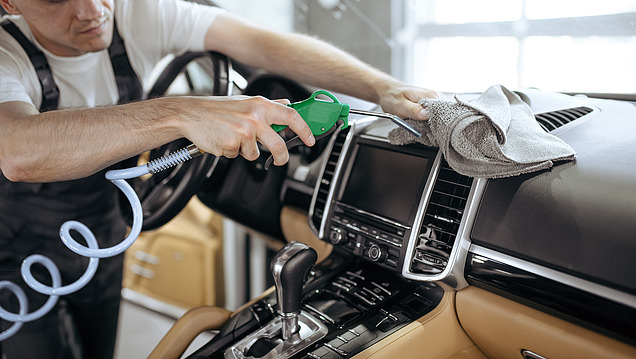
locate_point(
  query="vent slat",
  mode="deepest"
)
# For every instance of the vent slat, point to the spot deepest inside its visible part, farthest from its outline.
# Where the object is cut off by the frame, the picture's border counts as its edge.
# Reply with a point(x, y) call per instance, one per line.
point(327, 178)
point(550, 121)
point(441, 221)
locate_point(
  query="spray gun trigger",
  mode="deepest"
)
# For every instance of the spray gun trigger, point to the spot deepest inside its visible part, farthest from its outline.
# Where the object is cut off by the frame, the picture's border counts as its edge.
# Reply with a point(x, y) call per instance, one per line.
point(296, 141)
point(321, 116)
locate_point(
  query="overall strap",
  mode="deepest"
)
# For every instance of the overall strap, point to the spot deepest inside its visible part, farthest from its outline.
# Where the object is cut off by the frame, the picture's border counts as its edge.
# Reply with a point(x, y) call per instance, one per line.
point(128, 84)
point(50, 92)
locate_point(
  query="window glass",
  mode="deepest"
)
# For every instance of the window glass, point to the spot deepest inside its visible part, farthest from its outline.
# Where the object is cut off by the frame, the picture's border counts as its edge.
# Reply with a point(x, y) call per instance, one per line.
point(465, 64)
point(462, 11)
point(572, 46)
point(595, 64)
point(549, 9)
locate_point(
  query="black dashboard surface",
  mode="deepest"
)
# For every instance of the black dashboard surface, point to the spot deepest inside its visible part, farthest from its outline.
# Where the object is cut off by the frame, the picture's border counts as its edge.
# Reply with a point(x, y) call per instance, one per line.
point(579, 217)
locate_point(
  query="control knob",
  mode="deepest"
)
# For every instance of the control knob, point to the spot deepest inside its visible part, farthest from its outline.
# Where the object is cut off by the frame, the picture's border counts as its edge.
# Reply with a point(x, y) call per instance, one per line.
point(377, 253)
point(337, 235)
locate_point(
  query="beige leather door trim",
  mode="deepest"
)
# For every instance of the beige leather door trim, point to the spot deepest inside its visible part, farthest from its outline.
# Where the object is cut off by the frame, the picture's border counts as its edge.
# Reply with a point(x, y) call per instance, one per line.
point(501, 328)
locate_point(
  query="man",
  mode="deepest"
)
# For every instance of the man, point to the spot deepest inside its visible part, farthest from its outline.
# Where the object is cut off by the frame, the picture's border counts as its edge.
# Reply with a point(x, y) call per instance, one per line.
point(53, 161)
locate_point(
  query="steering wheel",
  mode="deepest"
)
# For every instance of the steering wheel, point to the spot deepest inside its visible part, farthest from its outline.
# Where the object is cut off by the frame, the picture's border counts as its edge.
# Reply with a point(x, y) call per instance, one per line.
point(166, 193)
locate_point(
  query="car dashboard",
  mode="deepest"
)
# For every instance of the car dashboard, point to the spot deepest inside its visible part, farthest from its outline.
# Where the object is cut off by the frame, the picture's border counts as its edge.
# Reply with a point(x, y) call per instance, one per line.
point(560, 240)
point(424, 262)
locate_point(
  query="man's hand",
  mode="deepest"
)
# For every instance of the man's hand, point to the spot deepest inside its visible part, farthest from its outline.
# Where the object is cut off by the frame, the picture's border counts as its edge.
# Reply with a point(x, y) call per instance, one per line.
point(402, 101)
point(232, 126)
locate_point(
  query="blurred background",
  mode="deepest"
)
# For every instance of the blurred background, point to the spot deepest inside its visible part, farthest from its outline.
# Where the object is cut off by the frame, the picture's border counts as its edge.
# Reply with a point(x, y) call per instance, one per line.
point(466, 46)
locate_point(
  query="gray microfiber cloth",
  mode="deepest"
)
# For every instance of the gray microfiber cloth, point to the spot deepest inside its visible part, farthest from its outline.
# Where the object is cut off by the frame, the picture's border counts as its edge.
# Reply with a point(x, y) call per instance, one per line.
point(495, 135)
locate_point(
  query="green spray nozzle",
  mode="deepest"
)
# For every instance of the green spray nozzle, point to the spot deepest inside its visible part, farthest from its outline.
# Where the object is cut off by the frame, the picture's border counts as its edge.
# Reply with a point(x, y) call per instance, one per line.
point(320, 115)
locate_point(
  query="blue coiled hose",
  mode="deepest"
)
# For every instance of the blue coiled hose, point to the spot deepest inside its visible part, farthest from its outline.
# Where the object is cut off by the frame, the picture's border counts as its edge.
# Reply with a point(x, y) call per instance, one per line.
point(118, 178)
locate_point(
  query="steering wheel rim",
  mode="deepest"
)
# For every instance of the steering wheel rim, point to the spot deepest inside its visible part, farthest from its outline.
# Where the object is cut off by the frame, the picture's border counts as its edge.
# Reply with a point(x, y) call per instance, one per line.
point(166, 193)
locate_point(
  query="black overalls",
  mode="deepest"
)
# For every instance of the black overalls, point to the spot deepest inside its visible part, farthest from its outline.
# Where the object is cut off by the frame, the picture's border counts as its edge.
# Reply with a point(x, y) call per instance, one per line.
point(31, 216)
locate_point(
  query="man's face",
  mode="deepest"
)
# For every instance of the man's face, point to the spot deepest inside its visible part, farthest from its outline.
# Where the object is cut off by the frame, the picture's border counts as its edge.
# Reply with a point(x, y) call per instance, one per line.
point(67, 27)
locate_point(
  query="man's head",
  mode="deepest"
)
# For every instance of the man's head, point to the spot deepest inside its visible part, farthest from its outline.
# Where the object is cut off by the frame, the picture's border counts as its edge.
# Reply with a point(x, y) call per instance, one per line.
point(67, 27)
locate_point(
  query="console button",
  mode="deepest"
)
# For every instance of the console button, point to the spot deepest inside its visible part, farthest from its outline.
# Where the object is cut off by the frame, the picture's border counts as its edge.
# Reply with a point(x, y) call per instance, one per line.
point(336, 236)
point(336, 342)
point(364, 336)
point(387, 287)
point(324, 353)
point(367, 298)
point(348, 336)
point(392, 261)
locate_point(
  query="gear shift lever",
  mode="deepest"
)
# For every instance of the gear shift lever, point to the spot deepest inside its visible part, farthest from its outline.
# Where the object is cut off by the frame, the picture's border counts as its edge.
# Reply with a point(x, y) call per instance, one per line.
point(293, 330)
point(290, 267)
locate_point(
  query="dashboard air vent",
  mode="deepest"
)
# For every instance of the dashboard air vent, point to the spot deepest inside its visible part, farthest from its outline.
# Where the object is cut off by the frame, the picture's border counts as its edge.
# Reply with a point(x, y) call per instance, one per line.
point(441, 221)
point(327, 178)
point(555, 119)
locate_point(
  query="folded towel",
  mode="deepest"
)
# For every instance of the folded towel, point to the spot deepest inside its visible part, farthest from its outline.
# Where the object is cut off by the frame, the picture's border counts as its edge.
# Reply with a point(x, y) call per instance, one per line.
point(496, 135)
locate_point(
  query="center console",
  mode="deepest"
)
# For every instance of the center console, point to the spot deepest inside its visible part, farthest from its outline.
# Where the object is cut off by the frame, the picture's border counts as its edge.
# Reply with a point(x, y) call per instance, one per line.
point(392, 214)
point(348, 306)
point(373, 211)
point(400, 207)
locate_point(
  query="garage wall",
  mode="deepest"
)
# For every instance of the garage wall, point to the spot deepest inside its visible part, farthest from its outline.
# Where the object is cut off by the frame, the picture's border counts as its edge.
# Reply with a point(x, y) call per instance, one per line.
point(366, 29)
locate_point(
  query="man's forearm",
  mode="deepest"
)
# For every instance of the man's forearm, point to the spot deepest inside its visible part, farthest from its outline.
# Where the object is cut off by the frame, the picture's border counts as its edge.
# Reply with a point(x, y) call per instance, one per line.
point(69, 144)
point(313, 62)
point(299, 57)
point(66, 144)
point(322, 65)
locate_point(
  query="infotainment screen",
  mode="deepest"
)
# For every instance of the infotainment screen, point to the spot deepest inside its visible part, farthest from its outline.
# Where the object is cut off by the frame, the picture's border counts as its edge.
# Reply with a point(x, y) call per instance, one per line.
point(385, 182)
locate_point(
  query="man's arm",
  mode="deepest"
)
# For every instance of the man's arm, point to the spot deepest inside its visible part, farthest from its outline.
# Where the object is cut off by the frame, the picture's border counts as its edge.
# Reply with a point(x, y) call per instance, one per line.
point(69, 144)
point(314, 62)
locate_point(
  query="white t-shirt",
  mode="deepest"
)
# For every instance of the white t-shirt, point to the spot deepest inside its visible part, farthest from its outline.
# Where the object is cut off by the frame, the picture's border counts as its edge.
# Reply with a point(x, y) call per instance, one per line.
point(151, 29)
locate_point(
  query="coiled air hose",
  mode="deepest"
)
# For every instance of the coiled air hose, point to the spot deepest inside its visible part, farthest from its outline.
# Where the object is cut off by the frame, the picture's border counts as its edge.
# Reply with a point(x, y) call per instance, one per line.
point(118, 178)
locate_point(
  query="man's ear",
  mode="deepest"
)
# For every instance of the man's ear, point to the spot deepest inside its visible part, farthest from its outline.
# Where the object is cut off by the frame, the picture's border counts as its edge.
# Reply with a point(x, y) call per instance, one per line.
point(10, 7)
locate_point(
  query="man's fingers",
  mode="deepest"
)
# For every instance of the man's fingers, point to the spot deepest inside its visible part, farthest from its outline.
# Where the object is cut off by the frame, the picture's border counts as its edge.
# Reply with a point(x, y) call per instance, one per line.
point(276, 146)
point(282, 101)
point(412, 107)
point(249, 151)
point(297, 124)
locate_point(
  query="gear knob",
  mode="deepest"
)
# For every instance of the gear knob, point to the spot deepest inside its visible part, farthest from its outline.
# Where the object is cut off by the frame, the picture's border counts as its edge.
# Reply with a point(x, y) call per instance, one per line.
point(289, 268)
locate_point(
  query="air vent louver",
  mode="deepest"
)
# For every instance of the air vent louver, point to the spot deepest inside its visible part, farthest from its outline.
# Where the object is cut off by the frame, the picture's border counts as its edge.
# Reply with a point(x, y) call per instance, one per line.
point(327, 178)
point(555, 119)
point(441, 221)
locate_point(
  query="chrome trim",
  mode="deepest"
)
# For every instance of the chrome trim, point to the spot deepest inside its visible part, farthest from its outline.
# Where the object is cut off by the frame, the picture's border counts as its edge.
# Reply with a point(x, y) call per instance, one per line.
point(527, 354)
point(419, 218)
point(374, 138)
point(311, 331)
point(453, 273)
point(560, 277)
point(376, 237)
point(457, 259)
point(320, 232)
